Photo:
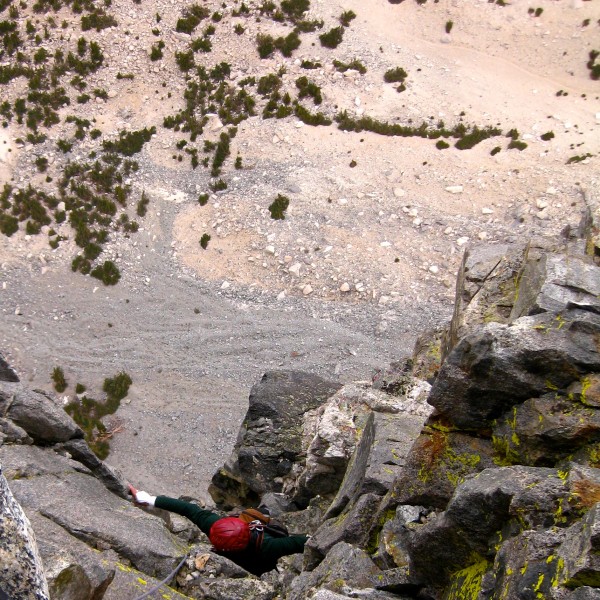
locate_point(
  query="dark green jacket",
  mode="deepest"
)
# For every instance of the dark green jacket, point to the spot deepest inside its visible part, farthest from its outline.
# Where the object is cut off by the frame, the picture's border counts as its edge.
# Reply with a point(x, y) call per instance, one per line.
point(256, 562)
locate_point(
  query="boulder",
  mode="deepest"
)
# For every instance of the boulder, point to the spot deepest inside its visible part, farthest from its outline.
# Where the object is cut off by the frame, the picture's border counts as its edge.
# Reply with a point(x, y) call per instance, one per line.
point(438, 461)
point(332, 436)
point(485, 289)
point(74, 571)
point(270, 439)
point(555, 283)
point(22, 574)
point(344, 567)
point(392, 545)
point(37, 414)
point(7, 373)
point(499, 366)
point(379, 457)
point(543, 431)
point(226, 589)
point(353, 526)
point(525, 566)
point(85, 509)
point(506, 500)
point(13, 434)
point(579, 554)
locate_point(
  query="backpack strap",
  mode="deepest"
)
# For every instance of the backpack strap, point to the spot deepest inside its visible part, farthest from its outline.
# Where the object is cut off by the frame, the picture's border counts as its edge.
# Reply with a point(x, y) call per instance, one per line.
point(257, 534)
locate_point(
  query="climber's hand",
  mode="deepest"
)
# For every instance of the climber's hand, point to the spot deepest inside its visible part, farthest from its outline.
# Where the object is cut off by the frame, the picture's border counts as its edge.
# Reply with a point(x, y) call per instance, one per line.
point(141, 498)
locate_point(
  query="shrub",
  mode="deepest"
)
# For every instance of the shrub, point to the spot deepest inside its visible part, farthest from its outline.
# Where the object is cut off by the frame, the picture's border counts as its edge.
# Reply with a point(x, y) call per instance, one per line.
point(202, 199)
point(278, 207)
point(116, 388)
point(397, 75)
point(8, 224)
point(41, 162)
point(592, 66)
point(309, 118)
point(58, 377)
point(185, 60)
point(192, 17)
point(204, 241)
point(495, 150)
point(108, 273)
point(517, 144)
point(97, 21)
point(156, 51)
point(265, 45)
point(239, 29)
point(449, 25)
point(142, 205)
point(332, 38)
point(130, 143)
point(294, 9)
point(355, 65)
point(218, 185)
point(442, 145)
point(547, 136)
point(346, 17)
point(308, 88)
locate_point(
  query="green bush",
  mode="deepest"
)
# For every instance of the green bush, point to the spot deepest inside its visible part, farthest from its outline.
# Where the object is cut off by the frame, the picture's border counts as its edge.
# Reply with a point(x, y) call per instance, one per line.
point(517, 145)
point(309, 118)
point(191, 18)
point(8, 224)
point(397, 75)
point(58, 377)
point(442, 145)
point(278, 207)
point(129, 142)
point(346, 17)
point(108, 273)
point(332, 38)
point(97, 21)
point(308, 88)
point(142, 205)
point(117, 387)
point(355, 65)
point(204, 241)
point(547, 136)
point(202, 199)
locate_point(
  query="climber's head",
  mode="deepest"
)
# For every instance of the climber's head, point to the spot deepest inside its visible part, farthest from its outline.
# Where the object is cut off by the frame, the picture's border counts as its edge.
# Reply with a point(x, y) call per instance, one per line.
point(229, 534)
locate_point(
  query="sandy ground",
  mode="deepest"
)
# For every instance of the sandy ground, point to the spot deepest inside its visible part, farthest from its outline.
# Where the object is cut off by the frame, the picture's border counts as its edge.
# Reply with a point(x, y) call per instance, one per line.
point(196, 328)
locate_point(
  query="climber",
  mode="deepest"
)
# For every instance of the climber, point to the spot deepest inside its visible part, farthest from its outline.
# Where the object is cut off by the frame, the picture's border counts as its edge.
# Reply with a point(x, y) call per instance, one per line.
point(231, 537)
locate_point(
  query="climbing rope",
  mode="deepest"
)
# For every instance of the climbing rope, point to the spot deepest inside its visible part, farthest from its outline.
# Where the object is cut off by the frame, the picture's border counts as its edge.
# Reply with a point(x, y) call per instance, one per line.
point(164, 581)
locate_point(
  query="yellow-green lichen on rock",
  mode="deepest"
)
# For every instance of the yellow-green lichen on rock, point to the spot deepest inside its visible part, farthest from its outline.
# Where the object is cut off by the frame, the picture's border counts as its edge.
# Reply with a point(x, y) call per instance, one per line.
point(466, 583)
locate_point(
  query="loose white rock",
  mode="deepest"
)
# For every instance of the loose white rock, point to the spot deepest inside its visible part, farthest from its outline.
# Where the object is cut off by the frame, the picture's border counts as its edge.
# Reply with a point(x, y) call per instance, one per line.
point(345, 287)
point(295, 269)
point(455, 189)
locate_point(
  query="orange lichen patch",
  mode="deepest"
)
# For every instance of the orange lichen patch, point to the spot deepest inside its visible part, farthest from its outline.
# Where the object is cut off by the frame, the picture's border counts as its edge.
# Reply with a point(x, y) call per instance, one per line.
point(586, 493)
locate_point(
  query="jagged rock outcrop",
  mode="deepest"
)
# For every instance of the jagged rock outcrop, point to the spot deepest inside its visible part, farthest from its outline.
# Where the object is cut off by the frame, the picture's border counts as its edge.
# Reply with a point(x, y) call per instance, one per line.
point(270, 439)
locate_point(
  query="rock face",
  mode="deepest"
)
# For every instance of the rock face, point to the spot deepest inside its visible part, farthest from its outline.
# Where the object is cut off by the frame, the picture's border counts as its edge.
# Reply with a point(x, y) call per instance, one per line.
point(471, 470)
point(270, 439)
point(22, 573)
